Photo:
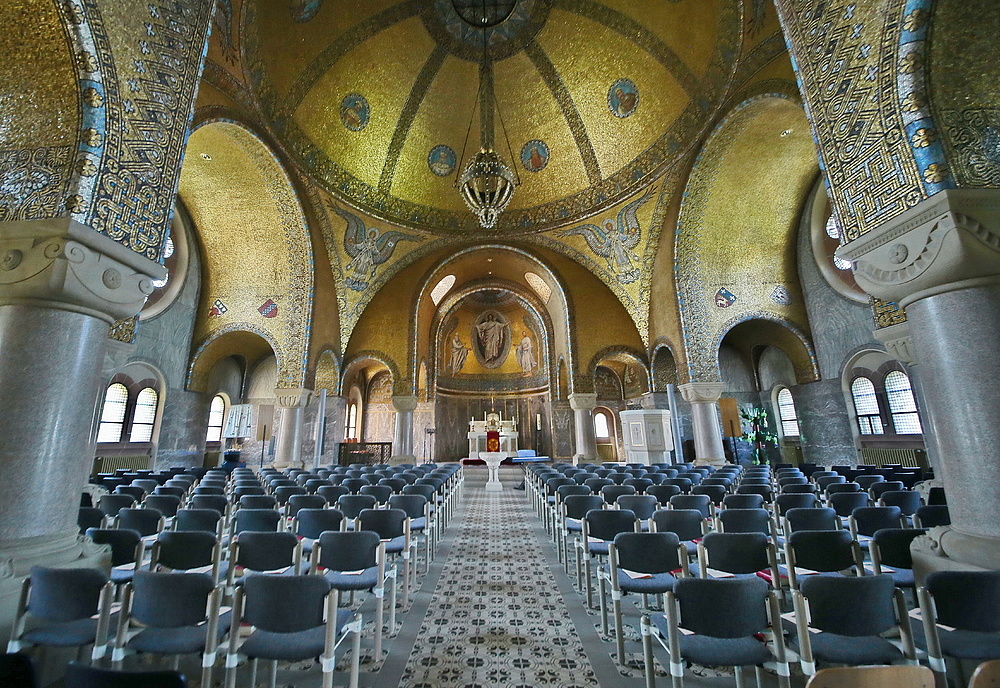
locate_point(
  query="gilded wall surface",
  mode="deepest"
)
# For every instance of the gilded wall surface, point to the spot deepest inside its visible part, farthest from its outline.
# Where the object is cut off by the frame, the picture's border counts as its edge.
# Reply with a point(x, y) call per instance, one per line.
point(40, 122)
point(963, 67)
point(851, 59)
point(141, 69)
point(259, 268)
point(735, 257)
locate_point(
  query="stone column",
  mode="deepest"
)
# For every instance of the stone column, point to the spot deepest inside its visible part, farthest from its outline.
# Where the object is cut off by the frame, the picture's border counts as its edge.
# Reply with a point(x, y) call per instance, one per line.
point(288, 443)
point(940, 260)
point(704, 397)
point(402, 436)
point(824, 423)
point(583, 426)
point(61, 285)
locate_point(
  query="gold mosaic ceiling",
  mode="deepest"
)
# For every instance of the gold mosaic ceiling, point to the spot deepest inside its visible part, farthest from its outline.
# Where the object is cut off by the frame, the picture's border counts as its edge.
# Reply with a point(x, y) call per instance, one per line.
point(375, 98)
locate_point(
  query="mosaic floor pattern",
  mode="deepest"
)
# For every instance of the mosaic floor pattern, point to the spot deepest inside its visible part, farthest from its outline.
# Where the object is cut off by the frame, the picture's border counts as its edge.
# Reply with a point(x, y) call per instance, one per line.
point(497, 617)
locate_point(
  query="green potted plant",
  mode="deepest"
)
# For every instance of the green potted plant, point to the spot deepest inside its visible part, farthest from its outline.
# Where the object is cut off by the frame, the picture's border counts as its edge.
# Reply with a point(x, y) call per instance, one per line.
point(756, 432)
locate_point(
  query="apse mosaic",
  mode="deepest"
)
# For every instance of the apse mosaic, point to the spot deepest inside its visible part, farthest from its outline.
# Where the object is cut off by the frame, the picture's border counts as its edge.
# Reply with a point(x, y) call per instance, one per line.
point(534, 156)
point(441, 160)
point(354, 111)
point(623, 98)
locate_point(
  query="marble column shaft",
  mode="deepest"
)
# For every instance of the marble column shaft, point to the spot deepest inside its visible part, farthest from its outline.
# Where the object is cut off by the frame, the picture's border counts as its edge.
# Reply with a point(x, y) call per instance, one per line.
point(288, 443)
point(402, 436)
point(705, 424)
point(61, 285)
point(940, 260)
point(584, 433)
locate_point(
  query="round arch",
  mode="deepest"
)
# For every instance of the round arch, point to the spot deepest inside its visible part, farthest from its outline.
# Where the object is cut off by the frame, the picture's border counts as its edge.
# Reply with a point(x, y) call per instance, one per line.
point(264, 280)
point(735, 243)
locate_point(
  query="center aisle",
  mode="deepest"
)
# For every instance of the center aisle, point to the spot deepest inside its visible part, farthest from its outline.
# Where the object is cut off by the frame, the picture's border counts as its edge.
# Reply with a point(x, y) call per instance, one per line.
point(497, 615)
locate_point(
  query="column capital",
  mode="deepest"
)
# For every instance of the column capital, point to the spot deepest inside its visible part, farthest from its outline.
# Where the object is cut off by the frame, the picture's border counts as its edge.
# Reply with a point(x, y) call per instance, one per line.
point(582, 402)
point(60, 263)
point(403, 404)
point(292, 398)
point(897, 341)
point(949, 241)
point(700, 392)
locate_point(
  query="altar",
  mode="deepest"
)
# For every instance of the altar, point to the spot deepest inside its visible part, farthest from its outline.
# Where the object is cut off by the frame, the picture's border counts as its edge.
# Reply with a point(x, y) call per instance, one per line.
point(479, 428)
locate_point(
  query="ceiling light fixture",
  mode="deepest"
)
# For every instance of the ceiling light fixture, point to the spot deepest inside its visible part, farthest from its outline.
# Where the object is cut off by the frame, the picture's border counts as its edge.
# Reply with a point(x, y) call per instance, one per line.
point(487, 183)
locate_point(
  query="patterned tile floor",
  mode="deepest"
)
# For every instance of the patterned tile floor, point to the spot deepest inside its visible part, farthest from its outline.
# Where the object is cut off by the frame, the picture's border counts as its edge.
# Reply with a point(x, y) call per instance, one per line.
point(497, 617)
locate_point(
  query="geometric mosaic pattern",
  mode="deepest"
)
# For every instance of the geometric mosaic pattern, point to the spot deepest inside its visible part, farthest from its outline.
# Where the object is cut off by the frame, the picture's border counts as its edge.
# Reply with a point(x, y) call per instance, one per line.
point(497, 617)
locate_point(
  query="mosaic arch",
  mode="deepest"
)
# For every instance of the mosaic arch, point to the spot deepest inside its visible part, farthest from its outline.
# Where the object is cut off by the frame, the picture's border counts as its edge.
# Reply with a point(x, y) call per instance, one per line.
point(370, 359)
point(663, 365)
point(735, 243)
point(257, 255)
point(537, 324)
point(628, 365)
point(243, 340)
point(327, 373)
point(510, 264)
point(752, 332)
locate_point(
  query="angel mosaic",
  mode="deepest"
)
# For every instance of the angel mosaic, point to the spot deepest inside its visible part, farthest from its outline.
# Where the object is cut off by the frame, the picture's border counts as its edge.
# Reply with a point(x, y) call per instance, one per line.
point(615, 243)
point(368, 247)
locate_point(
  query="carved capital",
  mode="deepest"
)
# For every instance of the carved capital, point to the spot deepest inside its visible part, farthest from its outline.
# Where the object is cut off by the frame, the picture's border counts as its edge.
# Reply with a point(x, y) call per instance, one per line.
point(404, 404)
point(60, 263)
point(896, 339)
point(583, 402)
point(292, 398)
point(701, 392)
point(949, 241)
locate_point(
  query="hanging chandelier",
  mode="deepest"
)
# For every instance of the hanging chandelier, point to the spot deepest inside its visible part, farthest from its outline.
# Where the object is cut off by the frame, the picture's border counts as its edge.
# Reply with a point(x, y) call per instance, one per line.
point(487, 185)
point(487, 182)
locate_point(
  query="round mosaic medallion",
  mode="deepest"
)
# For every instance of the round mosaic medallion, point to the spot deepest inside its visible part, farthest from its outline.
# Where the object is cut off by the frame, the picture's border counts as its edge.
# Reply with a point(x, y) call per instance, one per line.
point(441, 160)
point(623, 98)
point(535, 155)
point(354, 111)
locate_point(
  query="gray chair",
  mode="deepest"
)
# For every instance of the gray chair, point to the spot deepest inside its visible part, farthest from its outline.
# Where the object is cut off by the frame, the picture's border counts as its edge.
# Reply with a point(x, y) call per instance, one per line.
point(254, 552)
point(147, 522)
point(842, 620)
point(294, 618)
point(738, 555)
point(393, 528)
point(890, 553)
point(724, 618)
point(309, 524)
point(207, 520)
point(187, 550)
point(127, 551)
point(67, 608)
point(641, 563)
point(599, 528)
point(354, 561)
point(821, 553)
point(960, 620)
point(176, 614)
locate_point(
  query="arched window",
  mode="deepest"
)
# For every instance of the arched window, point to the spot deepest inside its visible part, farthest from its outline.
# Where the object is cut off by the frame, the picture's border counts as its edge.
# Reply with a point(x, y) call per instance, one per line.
point(866, 406)
point(144, 416)
point(601, 428)
point(786, 414)
point(352, 422)
point(902, 405)
point(216, 418)
point(113, 413)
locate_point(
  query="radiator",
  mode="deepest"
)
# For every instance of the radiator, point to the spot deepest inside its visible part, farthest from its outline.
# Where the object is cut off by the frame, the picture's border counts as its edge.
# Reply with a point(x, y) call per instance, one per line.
point(109, 464)
point(881, 456)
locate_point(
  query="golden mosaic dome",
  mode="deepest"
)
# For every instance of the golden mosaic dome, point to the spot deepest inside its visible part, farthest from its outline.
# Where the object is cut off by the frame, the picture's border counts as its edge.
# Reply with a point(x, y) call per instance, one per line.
point(593, 99)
